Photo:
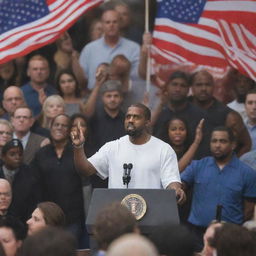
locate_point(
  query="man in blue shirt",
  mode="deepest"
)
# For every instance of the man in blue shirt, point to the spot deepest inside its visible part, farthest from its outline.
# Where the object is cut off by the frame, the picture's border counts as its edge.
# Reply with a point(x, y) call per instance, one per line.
point(221, 181)
point(107, 47)
point(37, 89)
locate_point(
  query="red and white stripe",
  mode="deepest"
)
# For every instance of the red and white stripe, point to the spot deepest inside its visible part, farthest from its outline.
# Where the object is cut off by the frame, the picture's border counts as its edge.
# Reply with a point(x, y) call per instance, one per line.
point(26, 38)
point(224, 36)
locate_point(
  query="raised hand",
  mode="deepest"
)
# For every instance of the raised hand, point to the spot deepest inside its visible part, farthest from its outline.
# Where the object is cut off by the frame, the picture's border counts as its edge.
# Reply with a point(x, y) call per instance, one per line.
point(77, 136)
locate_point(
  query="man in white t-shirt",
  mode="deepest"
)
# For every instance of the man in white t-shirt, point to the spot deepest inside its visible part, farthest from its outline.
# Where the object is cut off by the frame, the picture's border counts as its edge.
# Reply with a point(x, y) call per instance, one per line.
point(154, 162)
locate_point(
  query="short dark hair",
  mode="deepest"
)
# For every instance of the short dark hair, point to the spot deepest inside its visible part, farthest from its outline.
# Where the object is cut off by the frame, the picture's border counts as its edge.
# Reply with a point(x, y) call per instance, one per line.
point(146, 110)
point(50, 241)
point(228, 130)
point(178, 74)
point(18, 228)
point(113, 221)
point(251, 91)
point(53, 214)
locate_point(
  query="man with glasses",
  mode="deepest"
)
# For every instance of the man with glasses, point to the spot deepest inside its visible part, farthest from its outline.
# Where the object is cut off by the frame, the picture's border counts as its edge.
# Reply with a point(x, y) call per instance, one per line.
point(12, 98)
point(22, 120)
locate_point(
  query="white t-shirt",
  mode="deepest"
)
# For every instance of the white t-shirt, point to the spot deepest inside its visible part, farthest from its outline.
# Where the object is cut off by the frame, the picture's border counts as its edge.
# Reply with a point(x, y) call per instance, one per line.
point(154, 163)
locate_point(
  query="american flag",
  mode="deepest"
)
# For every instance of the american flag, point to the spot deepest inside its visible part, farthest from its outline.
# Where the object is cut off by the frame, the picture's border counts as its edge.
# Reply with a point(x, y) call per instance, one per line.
point(26, 25)
point(215, 35)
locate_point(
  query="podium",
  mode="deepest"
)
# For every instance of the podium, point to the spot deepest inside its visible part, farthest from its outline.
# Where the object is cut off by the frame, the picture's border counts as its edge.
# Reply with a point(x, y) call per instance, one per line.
point(161, 206)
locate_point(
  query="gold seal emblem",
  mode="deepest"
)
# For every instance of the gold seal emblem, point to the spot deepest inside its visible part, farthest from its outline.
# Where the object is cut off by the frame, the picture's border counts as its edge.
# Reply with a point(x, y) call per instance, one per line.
point(136, 204)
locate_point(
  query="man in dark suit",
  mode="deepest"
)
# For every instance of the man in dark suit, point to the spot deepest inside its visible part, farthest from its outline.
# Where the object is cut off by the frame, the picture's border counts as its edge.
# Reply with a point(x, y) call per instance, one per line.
point(22, 120)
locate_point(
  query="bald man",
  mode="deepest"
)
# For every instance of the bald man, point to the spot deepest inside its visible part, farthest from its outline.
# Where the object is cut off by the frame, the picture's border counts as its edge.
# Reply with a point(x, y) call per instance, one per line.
point(5, 196)
point(12, 98)
point(132, 245)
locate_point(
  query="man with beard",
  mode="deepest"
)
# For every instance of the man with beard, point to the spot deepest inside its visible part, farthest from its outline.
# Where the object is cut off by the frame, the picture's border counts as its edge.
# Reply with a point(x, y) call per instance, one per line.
point(154, 163)
point(178, 105)
point(219, 182)
point(202, 85)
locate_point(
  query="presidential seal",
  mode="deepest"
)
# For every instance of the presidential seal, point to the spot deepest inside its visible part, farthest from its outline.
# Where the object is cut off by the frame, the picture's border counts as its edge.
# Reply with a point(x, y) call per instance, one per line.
point(136, 204)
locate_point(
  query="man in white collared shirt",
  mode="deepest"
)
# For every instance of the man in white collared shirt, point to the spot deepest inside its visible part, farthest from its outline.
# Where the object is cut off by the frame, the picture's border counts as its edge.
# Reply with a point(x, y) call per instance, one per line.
point(250, 120)
point(22, 120)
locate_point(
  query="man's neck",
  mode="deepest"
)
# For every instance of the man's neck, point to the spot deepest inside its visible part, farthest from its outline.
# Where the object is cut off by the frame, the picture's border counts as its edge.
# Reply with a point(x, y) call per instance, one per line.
point(142, 139)
point(223, 162)
point(203, 104)
point(112, 113)
point(21, 135)
point(38, 86)
point(111, 41)
point(3, 212)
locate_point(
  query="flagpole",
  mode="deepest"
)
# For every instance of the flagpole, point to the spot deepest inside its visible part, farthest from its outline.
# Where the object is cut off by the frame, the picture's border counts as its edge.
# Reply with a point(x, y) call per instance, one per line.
point(148, 56)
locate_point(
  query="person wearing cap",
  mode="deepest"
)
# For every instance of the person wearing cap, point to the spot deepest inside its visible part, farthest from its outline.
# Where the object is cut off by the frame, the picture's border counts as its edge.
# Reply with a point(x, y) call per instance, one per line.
point(20, 176)
point(107, 122)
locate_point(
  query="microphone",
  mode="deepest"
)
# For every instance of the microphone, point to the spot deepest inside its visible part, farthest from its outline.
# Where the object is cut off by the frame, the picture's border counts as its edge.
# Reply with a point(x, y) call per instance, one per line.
point(129, 173)
point(125, 166)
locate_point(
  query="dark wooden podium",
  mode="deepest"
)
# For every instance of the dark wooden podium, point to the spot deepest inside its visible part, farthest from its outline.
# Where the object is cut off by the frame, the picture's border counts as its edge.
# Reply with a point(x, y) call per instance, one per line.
point(161, 206)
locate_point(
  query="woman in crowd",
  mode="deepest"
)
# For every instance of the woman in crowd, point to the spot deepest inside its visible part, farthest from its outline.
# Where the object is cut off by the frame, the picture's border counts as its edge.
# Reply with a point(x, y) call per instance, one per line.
point(96, 30)
point(6, 132)
point(12, 233)
point(59, 180)
point(53, 106)
point(68, 88)
point(176, 134)
point(66, 57)
point(46, 214)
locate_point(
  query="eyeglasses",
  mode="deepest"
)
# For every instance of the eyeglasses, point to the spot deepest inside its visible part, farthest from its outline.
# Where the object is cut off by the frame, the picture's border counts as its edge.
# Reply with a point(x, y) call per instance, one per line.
point(14, 98)
point(6, 194)
point(22, 117)
point(6, 133)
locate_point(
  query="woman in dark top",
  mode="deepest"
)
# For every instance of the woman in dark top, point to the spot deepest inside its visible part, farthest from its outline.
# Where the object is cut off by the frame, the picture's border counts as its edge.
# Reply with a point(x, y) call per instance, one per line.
point(176, 134)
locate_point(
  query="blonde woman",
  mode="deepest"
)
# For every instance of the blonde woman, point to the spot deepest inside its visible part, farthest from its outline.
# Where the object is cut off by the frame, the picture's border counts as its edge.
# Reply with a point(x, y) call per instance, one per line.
point(52, 106)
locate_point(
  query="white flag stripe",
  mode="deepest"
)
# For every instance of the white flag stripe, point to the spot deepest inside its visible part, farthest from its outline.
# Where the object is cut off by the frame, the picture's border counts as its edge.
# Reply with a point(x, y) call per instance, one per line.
point(239, 6)
point(190, 30)
point(203, 50)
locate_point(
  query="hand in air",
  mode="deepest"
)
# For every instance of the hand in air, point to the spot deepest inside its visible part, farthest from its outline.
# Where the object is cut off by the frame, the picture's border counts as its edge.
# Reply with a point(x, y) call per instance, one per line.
point(77, 135)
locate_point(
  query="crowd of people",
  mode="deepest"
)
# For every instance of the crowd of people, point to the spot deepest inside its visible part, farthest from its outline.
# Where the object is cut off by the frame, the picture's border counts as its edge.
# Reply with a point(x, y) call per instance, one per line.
point(71, 119)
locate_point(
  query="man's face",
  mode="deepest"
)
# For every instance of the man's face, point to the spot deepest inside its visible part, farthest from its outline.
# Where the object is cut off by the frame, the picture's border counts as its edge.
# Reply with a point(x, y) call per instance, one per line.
point(125, 17)
point(202, 87)
point(242, 85)
point(110, 23)
point(12, 99)
point(38, 71)
point(250, 107)
point(13, 158)
point(5, 195)
point(112, 100)
point(177, 90)
point(5, 134)
point(60, 128)
point(221, 146)
point(135, 122)
point(22, 120)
